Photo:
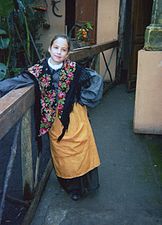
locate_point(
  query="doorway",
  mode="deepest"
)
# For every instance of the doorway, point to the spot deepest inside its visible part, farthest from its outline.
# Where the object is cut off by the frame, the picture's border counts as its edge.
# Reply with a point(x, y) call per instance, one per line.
point(131, 37)
point(69, 15)
point(79, 12)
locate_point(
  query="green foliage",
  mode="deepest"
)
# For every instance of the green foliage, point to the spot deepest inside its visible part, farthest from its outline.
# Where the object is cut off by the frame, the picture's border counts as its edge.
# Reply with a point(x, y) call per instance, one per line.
point(3, 69)
point(6, 7)
point(19, 29)
point(83, 32)
point(4, 41)
point(2, 32)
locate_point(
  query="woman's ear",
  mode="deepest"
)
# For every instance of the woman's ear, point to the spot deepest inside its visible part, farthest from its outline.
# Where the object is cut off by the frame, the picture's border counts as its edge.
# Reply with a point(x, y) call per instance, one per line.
point(49, 49)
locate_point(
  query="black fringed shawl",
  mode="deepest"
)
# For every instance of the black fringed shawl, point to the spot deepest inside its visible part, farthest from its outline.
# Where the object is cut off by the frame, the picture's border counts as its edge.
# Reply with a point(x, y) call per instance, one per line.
point(37, 72)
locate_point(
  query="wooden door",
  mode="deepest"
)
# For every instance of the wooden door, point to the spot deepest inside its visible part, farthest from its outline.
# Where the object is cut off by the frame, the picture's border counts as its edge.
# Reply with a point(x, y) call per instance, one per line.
point(69, 14)
point(140, 18)
point(87, 11)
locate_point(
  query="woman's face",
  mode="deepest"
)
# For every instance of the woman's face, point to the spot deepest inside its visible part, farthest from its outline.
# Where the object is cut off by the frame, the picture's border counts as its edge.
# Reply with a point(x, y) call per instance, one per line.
point(59, 50)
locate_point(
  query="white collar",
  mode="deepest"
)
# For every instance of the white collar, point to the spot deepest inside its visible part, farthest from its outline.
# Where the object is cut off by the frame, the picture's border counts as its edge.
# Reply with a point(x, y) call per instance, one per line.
point(54, 67)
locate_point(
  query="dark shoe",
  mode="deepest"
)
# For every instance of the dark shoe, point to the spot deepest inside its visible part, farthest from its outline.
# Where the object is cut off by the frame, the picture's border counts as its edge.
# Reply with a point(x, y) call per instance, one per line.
point(75, 196)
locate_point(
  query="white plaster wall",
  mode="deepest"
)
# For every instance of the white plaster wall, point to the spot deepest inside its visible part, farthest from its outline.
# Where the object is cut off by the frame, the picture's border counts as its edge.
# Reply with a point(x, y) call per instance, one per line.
point(107, 30)
point(108, 17)
point(57, 24)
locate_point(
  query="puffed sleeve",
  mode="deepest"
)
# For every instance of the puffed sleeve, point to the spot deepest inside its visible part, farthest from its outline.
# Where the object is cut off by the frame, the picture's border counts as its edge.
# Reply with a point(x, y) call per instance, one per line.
point(92, 90)
point(19, 81)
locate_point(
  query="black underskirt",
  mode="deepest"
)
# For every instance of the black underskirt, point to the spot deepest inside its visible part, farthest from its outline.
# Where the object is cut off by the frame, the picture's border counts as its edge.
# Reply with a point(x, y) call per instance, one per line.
point(89, 182)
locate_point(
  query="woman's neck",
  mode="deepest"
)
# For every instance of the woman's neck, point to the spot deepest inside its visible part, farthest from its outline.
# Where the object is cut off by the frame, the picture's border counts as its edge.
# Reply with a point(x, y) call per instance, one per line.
point(53, 65)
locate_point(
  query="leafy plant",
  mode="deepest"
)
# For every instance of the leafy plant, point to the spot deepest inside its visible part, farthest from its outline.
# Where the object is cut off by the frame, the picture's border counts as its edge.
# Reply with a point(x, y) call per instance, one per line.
point(6, 8)
point(4, 40)
point(83, 32)
point(4, 43)
point(19, 28)
point(3, 69)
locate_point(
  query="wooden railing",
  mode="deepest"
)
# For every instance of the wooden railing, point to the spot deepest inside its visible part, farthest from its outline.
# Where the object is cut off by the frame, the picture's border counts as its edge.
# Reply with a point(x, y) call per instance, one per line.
point(92, 50)
point(91, 53)
point(15, 108)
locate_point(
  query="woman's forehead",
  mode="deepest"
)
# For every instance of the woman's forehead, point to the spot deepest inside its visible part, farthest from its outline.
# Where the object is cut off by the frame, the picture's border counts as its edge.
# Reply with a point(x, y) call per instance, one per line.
point(61, 42)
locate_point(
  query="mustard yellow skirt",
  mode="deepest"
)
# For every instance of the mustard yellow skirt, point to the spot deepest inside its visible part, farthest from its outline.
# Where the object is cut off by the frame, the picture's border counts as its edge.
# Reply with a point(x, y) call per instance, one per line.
point(76, 154)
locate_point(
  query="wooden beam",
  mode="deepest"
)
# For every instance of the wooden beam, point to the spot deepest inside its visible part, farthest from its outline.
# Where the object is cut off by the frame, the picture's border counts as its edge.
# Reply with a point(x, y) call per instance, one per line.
point(12, 107)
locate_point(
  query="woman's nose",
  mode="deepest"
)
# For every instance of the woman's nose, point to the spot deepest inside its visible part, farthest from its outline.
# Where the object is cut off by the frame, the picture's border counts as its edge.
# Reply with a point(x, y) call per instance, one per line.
point(58, 50)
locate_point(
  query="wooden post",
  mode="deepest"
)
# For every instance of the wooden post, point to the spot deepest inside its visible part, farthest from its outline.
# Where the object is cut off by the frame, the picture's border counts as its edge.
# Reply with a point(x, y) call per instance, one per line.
point(26, 156)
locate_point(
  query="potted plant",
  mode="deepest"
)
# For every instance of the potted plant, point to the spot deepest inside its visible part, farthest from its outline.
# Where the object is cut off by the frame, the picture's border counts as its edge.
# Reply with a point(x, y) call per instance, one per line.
point(83, 33)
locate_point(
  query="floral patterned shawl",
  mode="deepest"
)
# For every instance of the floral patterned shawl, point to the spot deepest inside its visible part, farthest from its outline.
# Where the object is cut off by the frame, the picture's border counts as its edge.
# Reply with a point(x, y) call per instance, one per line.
point(49, 102)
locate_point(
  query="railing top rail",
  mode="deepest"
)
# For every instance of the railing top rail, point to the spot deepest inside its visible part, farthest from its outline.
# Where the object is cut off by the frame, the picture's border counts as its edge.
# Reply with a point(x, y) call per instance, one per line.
point(90, 51)
point(12, 106)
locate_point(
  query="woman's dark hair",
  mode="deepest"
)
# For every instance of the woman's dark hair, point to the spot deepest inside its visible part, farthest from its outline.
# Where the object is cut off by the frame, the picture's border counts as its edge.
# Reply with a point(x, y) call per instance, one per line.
point(61, 36)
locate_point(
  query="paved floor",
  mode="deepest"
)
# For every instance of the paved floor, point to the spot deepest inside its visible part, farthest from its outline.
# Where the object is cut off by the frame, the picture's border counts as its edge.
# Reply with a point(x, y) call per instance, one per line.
point(131, 190)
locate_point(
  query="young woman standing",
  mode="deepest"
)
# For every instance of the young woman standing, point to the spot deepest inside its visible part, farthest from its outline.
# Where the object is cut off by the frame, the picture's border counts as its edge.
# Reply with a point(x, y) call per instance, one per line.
point(60, 85)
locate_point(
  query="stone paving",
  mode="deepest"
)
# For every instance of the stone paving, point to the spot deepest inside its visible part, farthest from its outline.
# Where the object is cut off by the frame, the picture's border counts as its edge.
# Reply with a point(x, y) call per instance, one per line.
point(131, 186)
